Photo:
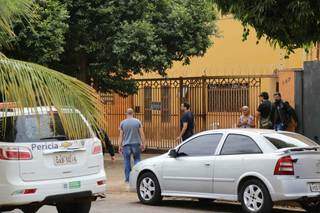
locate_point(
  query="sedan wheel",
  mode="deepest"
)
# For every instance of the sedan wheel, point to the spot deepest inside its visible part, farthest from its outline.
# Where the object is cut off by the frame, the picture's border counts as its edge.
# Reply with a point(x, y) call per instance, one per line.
point(148, 189)
point(255, 197)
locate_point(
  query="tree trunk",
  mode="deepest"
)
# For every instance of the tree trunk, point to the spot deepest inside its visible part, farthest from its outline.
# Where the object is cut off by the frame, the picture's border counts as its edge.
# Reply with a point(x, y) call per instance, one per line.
point(83, 66)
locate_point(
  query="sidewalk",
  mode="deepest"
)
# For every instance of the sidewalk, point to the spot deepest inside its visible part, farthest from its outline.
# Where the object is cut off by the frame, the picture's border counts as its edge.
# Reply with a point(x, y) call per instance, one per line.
point(115, 173)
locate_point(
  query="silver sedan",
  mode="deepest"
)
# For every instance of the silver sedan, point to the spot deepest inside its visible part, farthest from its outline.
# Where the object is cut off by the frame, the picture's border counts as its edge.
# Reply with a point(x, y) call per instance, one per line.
point(255, 167)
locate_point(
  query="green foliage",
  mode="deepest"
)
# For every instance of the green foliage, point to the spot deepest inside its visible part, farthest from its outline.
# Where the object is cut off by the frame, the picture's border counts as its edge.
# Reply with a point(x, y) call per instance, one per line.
point(9, 12)
point(110, 41)
point(42, 39)
point(290, 24)
point(31, 85)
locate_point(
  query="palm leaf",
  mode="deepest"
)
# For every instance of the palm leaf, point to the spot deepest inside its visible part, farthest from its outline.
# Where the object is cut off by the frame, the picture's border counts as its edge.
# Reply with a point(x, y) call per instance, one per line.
point(11, 10)
point(31, 85)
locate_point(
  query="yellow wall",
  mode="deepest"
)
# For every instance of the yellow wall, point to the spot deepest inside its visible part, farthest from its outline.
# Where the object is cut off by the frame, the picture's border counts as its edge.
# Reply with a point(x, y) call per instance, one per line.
point(229, 55)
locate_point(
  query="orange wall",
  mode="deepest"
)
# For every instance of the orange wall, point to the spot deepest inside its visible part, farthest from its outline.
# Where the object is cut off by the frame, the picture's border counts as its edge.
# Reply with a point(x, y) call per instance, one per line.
point(229, 55)
point(287, 85)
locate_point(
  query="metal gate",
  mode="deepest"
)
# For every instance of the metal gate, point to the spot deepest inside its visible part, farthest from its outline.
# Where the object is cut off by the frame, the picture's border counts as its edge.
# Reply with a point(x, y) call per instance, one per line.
point(215, 102)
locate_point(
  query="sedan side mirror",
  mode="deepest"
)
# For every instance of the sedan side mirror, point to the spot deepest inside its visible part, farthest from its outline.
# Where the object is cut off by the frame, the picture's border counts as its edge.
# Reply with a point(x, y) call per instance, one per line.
point(173, 153)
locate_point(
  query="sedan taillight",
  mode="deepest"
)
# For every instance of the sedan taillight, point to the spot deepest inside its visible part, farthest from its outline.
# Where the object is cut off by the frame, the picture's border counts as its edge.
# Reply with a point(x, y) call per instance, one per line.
point(15, 153)
point(284, 166)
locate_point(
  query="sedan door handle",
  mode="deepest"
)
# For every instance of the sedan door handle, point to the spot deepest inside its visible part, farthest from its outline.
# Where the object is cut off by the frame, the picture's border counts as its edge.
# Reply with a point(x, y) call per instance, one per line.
point(207, 164)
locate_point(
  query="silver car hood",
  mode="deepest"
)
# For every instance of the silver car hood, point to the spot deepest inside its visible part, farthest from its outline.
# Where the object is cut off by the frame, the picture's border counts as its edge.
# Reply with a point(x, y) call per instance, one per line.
point(153, 160)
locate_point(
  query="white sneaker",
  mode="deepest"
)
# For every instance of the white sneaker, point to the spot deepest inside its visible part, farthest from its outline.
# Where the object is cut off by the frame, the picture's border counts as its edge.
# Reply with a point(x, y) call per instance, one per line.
point(127, 187)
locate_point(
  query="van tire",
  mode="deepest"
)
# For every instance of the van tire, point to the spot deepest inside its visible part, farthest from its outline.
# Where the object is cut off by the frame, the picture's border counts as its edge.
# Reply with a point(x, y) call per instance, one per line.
point(30, 209)
point(71, 207)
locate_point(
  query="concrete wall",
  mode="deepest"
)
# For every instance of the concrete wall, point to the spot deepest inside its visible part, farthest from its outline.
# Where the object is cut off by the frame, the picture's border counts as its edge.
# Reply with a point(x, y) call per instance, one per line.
point(311, 99)
point(298, 98)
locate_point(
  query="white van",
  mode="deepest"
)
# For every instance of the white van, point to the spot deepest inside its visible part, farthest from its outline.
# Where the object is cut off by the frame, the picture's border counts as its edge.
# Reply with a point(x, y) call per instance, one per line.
point(40, 165)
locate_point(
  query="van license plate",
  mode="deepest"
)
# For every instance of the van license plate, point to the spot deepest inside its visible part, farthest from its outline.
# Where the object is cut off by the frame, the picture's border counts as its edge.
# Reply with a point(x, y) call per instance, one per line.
point(315, 187)
point(65, 159)
point(75, 185)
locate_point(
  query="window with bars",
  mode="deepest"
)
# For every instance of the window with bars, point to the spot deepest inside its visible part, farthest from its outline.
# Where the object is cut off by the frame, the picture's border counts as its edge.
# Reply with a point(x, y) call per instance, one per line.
point(227, 97)
point(165, 104)
point(147, 104)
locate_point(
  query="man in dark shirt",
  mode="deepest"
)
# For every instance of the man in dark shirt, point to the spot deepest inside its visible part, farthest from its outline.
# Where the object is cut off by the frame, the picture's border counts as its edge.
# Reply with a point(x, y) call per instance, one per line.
point(186, 123)
point(106, 144)
point(283, 114)
point(264, 111)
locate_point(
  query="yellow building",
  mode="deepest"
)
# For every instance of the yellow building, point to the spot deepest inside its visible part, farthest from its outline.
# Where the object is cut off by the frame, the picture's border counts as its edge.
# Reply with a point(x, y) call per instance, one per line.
point(231, 74)
point(229, 55)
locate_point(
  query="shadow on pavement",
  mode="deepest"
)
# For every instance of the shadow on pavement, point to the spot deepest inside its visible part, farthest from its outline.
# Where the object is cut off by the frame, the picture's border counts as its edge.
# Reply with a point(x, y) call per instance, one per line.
point(217, 206)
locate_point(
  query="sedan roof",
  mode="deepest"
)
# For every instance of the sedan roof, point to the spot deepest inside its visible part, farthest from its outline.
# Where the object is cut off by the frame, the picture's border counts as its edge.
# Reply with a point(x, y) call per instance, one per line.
point(243, 131)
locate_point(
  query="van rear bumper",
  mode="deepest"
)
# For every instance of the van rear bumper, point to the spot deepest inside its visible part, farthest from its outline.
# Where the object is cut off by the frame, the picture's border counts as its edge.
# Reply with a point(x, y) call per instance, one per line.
point(48, 191)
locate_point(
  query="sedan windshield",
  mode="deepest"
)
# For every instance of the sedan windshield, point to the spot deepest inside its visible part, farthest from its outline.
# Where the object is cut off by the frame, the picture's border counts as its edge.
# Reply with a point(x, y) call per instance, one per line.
point(36, 128)
point(289, 140)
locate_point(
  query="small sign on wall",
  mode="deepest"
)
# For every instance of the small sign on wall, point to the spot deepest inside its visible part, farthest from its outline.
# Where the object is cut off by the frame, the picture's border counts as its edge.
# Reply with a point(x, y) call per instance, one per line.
point(155, 106)
point(107, 98)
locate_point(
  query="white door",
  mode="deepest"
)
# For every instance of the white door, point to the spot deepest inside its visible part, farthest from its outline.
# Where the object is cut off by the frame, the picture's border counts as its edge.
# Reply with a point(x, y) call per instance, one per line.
point(192, 171)
point(229, 164)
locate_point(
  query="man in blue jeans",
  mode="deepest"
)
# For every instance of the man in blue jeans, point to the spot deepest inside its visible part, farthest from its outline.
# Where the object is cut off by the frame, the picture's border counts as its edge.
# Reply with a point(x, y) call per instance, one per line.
point(132, 139)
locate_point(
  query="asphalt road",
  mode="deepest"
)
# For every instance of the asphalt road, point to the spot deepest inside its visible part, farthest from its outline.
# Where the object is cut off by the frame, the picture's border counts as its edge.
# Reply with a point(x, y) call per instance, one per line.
point(119, 201)
point(128, 202)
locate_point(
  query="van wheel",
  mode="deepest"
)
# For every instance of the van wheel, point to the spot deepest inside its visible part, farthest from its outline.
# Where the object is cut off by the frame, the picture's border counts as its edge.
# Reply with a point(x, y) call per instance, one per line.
point(311, 206)
point(148, 189)
point(70, 207)
point(255, 197)
point(30, 209)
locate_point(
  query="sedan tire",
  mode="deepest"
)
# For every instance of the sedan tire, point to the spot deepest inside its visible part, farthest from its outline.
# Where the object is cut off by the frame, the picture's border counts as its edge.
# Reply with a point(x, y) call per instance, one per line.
point(255, 197)
point(148, 189)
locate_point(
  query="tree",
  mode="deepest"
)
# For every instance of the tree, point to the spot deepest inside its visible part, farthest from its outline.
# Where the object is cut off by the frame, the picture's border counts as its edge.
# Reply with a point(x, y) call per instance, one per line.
point(42, 39)
point(290, 24)
point(111, 41)
point(30, 85)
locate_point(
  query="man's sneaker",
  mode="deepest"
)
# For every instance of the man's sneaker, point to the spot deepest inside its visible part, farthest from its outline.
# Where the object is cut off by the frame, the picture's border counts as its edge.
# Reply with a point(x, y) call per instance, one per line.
point(127, 187)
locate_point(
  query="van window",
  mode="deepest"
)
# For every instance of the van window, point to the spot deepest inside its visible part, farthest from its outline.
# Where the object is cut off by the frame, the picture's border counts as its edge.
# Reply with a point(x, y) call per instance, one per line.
point(37, 128)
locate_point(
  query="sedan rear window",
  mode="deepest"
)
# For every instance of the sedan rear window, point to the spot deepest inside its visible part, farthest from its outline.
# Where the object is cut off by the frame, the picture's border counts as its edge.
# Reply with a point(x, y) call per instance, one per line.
point(37, 128)
point(289, 140)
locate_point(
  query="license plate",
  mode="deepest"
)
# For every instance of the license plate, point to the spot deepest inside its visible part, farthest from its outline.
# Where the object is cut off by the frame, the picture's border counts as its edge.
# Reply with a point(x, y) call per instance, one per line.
point(315, 187)
point(65, 159)
point(73, 185)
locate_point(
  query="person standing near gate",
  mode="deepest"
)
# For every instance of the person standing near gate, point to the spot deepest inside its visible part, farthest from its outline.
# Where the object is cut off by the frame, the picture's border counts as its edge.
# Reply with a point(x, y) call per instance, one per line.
point(132, 140)
point(283, 114)
point(264, 111)
point(186, 123)
point(246, 120)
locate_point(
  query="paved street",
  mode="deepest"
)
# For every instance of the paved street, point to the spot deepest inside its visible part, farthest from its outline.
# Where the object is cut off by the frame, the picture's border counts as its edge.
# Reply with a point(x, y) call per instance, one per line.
point(124, 202)
point(120, 201)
